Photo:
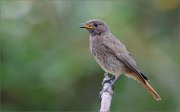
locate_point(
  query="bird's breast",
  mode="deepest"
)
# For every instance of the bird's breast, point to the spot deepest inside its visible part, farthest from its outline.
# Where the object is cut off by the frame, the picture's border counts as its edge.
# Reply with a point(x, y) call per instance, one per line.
point(96, 46)
point(104, 57)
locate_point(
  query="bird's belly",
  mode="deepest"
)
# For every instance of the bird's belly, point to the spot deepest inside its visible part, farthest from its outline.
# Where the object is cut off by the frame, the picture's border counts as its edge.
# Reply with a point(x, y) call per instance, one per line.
point(109, 63)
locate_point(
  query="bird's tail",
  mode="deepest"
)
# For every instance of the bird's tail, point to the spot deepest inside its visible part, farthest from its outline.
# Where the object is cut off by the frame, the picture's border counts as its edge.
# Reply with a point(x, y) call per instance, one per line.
point(146, 85)
point(151, 91)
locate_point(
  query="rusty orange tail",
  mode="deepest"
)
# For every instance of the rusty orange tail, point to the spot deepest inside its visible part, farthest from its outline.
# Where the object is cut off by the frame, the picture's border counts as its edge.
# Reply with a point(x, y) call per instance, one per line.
point(151, 90)
point(145, 84)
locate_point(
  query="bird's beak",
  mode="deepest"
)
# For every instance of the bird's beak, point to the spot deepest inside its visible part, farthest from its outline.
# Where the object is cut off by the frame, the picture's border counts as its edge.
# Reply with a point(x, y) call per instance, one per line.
point(85, 25)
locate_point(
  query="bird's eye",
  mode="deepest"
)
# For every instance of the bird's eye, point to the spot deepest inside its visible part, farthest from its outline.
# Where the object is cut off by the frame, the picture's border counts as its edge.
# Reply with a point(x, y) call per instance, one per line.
point(95, 24)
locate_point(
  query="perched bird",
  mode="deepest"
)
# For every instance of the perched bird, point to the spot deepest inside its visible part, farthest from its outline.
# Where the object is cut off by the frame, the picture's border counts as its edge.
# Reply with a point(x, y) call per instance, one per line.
point(112, 55)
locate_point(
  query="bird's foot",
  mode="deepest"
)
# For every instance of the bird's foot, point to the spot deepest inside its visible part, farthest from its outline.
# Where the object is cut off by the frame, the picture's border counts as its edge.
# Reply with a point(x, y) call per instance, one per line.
point(109, 80)
point(107, 88)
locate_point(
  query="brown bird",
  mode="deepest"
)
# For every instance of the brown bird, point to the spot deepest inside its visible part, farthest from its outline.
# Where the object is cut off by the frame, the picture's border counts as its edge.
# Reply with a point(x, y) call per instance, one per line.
point(112, 55)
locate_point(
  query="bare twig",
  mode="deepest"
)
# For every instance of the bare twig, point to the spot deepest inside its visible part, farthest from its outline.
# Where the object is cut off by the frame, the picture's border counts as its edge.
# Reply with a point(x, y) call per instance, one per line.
point(106, 95)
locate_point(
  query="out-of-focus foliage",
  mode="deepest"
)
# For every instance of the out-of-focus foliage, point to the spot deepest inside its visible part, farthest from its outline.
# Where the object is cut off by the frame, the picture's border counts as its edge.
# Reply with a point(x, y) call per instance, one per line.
point(46, 63)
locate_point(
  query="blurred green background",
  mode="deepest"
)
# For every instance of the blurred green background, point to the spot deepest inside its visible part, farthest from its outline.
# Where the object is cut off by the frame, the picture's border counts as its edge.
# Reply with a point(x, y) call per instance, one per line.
point(46, 63)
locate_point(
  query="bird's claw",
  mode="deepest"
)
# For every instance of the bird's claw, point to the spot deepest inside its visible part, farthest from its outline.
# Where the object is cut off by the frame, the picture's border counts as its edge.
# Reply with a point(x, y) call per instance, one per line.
point(109, 81)
point(106, 90)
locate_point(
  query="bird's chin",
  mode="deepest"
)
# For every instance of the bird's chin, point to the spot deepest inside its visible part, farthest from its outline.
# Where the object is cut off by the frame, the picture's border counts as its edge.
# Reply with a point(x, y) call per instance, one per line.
point(90, 30)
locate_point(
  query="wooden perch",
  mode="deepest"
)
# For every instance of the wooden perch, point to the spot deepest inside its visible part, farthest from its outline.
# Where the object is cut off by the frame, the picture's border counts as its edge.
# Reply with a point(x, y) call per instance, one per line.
point(106, 95)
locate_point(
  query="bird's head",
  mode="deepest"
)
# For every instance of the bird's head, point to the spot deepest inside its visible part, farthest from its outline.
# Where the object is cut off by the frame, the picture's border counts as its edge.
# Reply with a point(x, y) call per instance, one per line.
point(95, 27)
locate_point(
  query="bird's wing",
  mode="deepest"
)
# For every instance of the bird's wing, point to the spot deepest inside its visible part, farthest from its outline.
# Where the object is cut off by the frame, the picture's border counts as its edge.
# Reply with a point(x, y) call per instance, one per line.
point(115, 47)
point(119, 50)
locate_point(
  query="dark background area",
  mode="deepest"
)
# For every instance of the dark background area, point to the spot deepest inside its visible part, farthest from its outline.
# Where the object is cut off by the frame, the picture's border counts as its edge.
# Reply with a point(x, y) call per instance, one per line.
point(46, 63)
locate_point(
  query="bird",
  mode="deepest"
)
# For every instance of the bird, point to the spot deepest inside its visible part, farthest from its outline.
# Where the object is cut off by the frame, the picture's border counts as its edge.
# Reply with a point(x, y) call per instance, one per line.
point(112, 55)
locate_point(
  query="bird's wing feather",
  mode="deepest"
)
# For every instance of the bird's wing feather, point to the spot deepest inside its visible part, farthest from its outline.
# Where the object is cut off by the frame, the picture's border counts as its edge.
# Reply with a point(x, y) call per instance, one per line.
point(119, 50)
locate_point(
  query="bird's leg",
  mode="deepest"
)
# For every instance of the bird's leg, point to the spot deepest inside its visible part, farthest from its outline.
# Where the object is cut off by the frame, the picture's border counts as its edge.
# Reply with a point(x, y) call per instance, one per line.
point(106, 80)
point(113, 80)
point(105, 74)
point(109, 79)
